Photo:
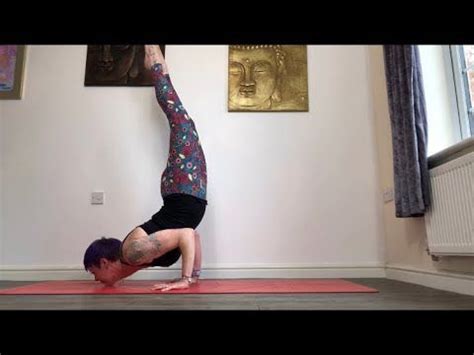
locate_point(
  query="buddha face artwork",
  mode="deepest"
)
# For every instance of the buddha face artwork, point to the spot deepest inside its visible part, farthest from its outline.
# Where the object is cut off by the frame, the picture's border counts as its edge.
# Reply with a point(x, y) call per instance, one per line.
point(267, 78)
point(117, 65)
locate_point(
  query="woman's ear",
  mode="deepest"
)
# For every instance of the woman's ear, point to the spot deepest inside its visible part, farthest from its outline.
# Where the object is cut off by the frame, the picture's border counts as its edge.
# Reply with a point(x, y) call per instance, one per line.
point(104, 263)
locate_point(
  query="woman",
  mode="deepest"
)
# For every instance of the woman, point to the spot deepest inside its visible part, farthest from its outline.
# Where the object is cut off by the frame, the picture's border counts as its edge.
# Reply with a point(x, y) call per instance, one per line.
point(170, 233)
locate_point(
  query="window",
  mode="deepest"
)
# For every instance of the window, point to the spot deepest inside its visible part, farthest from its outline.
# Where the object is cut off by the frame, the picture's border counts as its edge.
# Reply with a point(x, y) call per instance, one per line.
point(448, 78)
point(462, 62)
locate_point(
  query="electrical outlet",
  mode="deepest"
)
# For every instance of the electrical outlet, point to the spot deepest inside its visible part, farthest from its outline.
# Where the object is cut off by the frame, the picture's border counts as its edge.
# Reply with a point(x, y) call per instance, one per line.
point(97, 198)
point(388, 194)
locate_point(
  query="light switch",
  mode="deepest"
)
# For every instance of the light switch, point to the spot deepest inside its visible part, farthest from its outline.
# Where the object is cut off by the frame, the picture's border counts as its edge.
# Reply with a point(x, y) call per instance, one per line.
point(97, 198)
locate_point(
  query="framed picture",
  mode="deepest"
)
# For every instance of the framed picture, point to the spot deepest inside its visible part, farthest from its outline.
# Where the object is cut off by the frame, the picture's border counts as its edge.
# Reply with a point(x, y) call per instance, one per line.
point(12, 66)
point(267, 78)
point(117, 65)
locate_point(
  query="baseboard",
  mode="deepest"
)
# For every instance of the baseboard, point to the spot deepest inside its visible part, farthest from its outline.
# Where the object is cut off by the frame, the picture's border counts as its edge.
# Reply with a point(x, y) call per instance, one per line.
point(45, 273)
point(459, 283)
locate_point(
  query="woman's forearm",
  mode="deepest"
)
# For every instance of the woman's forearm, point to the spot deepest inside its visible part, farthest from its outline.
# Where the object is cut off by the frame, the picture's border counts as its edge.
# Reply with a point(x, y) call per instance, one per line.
point(197, 256)
point(187, 246)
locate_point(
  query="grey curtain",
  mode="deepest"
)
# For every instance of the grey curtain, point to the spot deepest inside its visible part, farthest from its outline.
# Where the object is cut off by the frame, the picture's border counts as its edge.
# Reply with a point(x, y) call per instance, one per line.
point(409, 129)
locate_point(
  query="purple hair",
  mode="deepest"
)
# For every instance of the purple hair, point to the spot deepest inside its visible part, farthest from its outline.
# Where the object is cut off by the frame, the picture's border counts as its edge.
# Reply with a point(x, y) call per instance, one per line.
point(108, 248)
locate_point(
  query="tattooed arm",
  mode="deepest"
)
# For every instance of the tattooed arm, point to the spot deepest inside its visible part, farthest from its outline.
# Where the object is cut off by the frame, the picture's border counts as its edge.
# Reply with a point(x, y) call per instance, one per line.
point(196, 273)
point(141, 250)
point(186, 244)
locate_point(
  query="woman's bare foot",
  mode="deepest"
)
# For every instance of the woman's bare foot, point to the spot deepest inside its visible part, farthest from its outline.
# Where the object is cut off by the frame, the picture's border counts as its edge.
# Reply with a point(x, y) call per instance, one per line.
point(154, 55)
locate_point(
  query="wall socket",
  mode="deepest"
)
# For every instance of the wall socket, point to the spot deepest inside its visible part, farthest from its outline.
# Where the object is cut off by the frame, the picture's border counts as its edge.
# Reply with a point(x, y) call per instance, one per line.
point(388, 194)
point(97, 198)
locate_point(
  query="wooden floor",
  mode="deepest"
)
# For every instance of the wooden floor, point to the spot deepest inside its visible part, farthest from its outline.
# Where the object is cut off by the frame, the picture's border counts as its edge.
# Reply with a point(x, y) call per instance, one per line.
point(392, 295)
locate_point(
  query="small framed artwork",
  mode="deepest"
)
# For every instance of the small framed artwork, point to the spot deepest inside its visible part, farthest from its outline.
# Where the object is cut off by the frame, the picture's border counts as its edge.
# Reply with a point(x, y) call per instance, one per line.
point(12, 66)
point(117, 65)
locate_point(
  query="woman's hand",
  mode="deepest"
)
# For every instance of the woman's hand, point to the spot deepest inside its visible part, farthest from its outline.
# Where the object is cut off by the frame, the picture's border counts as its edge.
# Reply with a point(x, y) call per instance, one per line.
point(166, 286)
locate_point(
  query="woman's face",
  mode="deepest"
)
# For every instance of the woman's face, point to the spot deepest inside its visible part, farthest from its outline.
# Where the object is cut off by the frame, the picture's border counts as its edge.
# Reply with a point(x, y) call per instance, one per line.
point(107, 273)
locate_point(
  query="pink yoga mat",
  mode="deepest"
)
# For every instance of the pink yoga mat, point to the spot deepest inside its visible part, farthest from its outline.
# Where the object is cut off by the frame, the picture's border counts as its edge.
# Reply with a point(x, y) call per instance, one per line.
point(232, 286)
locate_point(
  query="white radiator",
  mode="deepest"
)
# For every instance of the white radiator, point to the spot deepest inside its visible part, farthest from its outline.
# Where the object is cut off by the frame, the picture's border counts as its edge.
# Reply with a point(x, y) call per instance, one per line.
point(450, 219)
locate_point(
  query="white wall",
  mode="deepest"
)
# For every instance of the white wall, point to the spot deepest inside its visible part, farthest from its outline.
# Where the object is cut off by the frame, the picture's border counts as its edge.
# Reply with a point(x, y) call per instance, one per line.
point(441, 112)
point(285, 189)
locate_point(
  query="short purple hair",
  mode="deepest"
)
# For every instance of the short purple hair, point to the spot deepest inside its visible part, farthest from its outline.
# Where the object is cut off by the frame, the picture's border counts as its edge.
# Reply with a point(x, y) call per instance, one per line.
point(108, 248)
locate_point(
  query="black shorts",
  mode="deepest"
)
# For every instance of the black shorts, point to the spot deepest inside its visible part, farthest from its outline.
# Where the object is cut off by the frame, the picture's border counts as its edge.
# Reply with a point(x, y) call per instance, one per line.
point(178, 211)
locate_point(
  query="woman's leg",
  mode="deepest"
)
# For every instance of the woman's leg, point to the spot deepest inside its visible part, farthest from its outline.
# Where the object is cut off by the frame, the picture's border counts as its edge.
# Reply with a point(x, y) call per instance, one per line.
point(186, 167)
